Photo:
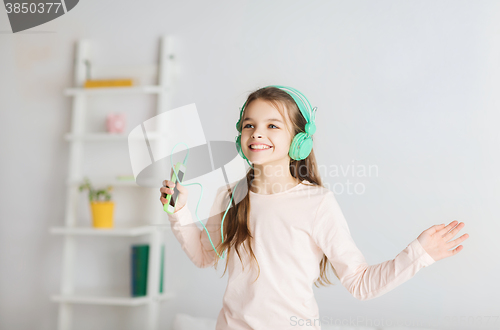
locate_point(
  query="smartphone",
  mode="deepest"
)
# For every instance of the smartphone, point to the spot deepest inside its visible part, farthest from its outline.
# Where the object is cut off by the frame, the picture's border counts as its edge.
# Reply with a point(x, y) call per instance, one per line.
point(180, 169)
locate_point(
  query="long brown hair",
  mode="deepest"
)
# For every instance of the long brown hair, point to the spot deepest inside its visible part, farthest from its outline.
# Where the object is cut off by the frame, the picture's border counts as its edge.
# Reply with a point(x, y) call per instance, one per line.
point(236, 230)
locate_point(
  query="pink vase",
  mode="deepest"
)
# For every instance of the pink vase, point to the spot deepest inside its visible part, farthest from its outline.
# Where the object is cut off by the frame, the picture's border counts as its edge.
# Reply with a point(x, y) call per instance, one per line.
point(115, 122)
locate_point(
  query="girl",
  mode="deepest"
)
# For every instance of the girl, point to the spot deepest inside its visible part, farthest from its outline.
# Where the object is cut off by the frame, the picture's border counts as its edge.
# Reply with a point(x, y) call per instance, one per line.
point(288, 228)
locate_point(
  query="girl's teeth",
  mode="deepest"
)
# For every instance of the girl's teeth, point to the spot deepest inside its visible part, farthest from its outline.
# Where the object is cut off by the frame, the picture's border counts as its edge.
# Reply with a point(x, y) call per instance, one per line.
point(259, 147)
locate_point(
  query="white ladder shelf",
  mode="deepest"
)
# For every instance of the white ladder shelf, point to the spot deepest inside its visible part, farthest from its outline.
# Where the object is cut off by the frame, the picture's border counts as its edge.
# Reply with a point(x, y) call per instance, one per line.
point(70, 230)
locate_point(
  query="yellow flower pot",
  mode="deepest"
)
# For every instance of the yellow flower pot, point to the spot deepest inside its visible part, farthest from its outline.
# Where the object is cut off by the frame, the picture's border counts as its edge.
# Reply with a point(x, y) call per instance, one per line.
point(102, 214)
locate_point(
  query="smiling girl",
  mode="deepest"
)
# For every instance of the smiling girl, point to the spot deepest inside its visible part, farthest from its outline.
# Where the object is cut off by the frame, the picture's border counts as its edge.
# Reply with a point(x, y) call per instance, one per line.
point(288, 229)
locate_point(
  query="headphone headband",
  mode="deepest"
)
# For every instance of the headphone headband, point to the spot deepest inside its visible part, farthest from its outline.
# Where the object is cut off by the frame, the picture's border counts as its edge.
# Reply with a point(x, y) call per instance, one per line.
point(299, 97)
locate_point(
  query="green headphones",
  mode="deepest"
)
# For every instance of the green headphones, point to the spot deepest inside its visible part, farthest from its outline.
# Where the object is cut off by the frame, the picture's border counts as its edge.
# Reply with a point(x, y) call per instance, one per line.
point(302, 143)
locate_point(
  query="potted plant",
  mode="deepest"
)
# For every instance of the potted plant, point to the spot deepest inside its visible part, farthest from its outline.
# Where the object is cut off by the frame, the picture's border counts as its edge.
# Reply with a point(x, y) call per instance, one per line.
point(101, 205)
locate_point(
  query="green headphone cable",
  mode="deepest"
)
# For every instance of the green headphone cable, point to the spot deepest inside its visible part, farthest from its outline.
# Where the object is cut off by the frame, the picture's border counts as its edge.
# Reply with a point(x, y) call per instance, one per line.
point(199, 199)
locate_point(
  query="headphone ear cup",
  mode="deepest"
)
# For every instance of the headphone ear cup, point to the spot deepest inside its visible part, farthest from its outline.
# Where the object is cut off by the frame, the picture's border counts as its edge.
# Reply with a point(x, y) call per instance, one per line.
point(300, 147)
point(305, 147)
point(238, 147)
point(292, 152)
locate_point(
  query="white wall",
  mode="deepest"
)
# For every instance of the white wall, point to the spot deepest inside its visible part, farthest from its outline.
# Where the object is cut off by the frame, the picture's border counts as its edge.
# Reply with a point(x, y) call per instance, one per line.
point(408, 86)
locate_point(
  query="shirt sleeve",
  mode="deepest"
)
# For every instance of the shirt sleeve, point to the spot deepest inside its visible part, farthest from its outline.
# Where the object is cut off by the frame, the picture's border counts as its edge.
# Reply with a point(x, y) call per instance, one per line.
point(332, 235)
point(195, 242)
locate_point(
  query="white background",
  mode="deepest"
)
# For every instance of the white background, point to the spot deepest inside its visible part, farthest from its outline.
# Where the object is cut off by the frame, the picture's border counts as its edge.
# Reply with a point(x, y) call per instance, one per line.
point(410, 87)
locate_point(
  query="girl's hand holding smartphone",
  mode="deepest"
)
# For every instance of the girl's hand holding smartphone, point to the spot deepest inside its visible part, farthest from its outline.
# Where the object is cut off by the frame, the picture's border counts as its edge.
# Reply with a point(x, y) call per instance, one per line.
point(179, 192)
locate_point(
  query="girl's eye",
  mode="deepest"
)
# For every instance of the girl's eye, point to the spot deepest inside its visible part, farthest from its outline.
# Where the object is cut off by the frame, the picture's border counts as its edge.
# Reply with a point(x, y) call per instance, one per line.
point(269, 125)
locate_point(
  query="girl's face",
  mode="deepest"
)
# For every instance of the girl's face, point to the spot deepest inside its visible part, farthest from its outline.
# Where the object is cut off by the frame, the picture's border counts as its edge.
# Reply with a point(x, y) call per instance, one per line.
point(265, 135)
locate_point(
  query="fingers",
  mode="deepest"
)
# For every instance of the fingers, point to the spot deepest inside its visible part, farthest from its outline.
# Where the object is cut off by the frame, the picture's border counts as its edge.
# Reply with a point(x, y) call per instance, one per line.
point(168, 183)
point(458, 240)
point(458, 249)
point(446, 229)
point(455, 230)
point(167, 191)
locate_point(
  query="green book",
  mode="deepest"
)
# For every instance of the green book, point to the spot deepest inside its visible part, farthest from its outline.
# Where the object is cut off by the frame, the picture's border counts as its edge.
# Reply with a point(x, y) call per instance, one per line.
point(139, 269)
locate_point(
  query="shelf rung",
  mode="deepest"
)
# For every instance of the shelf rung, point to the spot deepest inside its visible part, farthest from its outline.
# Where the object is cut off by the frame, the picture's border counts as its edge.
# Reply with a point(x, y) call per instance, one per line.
point(117, 301)
point(104, 137)
point(107, 182)
point(153, 89)
point(123, 231)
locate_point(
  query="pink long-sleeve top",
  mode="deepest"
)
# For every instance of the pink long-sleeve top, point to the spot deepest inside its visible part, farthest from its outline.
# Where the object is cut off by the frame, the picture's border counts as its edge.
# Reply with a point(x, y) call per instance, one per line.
point(291, 231)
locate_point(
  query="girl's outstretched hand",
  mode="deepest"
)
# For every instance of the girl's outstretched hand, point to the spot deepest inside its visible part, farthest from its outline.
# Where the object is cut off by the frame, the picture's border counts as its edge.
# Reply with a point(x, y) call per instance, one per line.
point(436, 240)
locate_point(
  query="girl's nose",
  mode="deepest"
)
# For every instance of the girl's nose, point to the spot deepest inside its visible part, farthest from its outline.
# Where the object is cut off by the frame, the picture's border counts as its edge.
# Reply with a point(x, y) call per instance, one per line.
point(256, 135)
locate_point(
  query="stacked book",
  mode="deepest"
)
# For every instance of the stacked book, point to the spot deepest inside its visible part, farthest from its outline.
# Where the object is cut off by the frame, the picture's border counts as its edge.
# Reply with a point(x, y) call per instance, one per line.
point(139, 269)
